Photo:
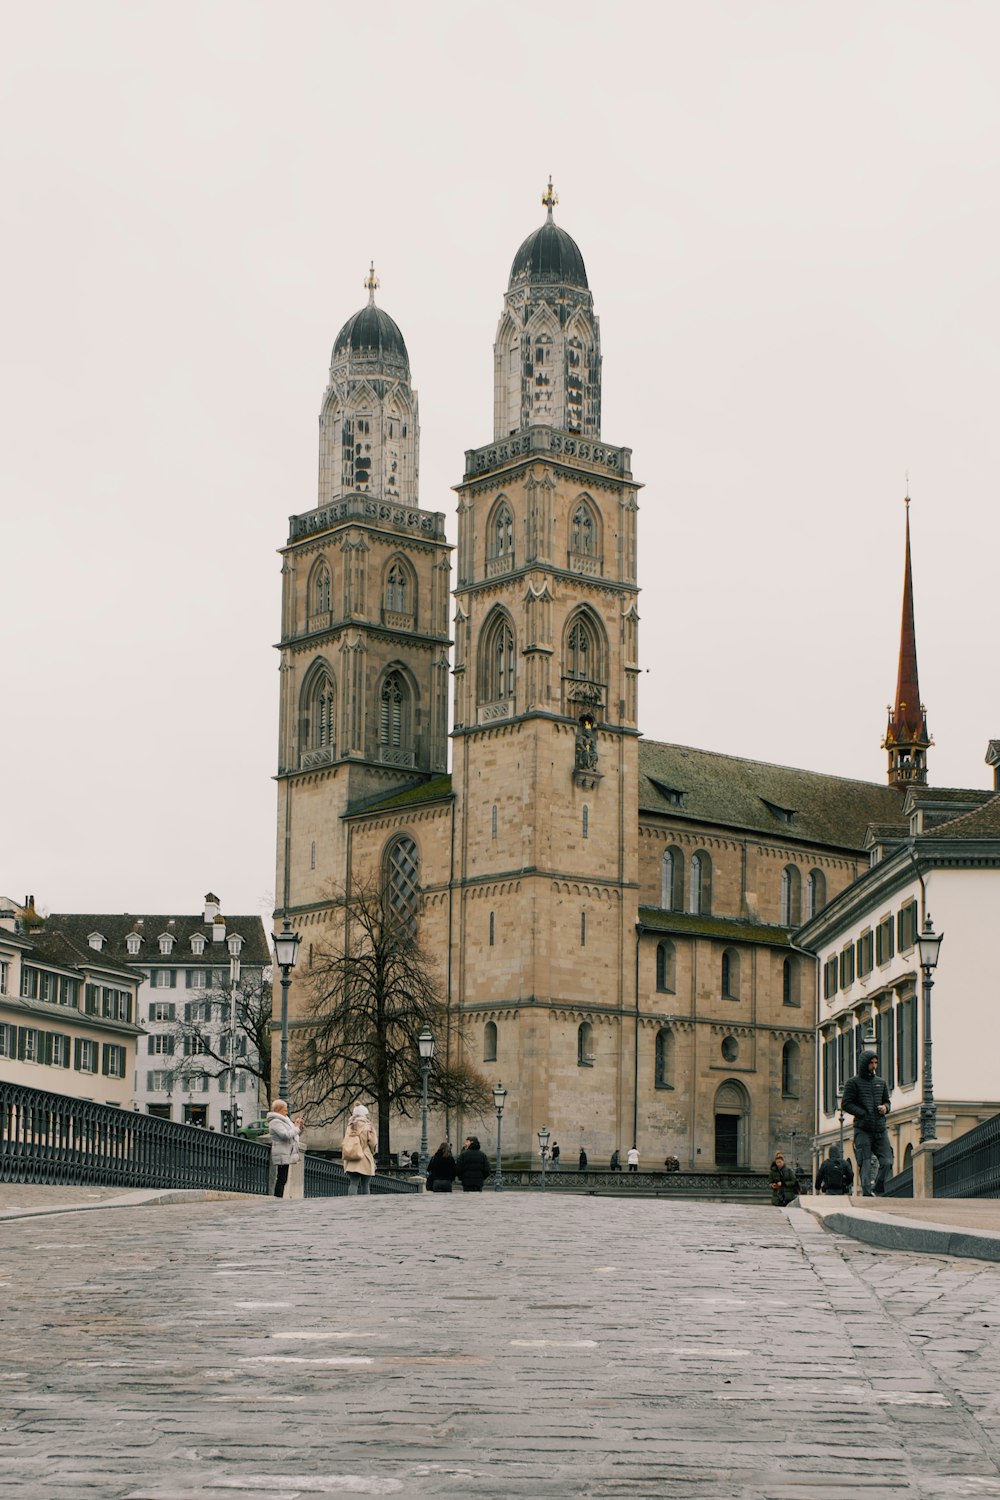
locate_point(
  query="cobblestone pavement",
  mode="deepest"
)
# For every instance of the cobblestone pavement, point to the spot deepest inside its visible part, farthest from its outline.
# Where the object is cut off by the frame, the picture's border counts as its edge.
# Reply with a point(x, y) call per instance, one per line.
point(488, 1346)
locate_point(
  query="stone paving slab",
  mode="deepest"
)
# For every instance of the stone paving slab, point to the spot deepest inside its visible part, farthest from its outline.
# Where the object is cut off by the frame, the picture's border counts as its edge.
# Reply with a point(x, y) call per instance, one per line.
point(488, 1345)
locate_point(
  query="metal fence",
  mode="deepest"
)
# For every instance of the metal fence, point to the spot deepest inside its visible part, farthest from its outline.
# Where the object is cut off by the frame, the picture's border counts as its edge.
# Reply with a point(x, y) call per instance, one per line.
point(675, 1184)
point(51, 1138)
point(900, 1186)
point(969, 1167)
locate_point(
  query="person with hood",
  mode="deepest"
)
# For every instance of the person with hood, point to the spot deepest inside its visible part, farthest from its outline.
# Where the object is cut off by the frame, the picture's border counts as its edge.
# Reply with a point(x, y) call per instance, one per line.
point(473, 1166)
point(284, 1134)
point(836, 1175)
point(358, 1151)
point(866, 1097)
point(784, 1183)
point(441, 1170)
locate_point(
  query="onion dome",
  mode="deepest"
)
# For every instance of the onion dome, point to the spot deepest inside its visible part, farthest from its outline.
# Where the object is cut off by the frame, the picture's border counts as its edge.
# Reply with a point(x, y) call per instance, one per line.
point(371, 335)
point(549, 254)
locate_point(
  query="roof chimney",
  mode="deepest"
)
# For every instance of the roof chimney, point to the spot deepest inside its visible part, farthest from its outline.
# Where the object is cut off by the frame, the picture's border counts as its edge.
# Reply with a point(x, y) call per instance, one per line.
point(211, 908)
point(993, 759)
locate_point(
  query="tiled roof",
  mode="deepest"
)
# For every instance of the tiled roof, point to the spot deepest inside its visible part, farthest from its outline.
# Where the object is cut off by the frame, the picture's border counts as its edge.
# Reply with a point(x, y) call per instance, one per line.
point(729, 929)
point(979, 823)
point(919, 795)
point(115, 927)
point(427, 791)
point(50, 944)
point(779, 801)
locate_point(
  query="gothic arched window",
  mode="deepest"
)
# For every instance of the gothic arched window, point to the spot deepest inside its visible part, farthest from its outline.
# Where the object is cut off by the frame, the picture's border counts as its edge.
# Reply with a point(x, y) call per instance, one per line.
point(497, 662)
point(490, 1042)
point(583, 531)
point(394, 712)
point(583, 651)
point(321, 591)
point(815, 893)
point(501, 538)
point(397, 589)
point(791, 896)
point(672, 880)
point(665, 1049)
point(319, 711)
point(401, 870)
point(701, 883)
point(584, 1045)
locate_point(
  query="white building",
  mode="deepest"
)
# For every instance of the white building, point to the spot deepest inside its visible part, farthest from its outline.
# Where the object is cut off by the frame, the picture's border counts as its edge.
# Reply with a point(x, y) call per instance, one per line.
point(186, 966)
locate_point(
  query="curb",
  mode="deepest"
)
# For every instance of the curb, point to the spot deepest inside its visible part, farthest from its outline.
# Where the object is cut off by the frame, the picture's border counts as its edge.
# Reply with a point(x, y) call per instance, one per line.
point(137, 1199)
point(917, 1235)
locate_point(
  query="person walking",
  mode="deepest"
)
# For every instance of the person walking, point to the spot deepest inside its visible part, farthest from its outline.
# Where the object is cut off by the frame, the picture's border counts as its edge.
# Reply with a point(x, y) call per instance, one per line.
point(583, 1160)
point(836, 1175)
point(554, 1154)
point(473, 1166)
point(285, 1135)
point(633, 1159)
point(615, 1164)
point(784, 1183)
point(357, 1151)
point(441, 1170)
point(866, 1097)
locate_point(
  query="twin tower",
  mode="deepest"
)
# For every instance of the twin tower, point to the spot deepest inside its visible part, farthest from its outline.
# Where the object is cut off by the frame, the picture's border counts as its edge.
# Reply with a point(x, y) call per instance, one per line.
point(524, 859)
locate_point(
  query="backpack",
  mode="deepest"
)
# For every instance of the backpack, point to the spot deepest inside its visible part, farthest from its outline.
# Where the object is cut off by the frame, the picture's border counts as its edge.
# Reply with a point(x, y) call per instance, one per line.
point(834, 1176)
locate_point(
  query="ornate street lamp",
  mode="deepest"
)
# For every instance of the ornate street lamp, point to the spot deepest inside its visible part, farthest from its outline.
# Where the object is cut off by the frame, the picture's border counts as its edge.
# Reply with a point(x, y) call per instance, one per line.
point(425, 1041)
point(543, 1149)
point(499, 1097)
point(840, 1117)
point(286, 947)
point(929, 942)
point(234, 943)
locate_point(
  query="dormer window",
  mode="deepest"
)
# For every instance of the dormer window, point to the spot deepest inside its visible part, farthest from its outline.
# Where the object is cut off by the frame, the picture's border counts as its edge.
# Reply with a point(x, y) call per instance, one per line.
point(133, 943)
point(783, 814)
point(166, 942)
point(96, 940)
point(198, 944)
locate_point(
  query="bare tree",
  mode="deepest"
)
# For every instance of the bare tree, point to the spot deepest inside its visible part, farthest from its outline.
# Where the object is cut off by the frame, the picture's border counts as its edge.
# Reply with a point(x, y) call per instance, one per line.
point(204, 1038)
point(372, 995)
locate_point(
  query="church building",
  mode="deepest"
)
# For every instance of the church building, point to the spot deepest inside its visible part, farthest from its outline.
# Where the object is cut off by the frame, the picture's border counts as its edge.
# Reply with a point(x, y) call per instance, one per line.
point(613, 919)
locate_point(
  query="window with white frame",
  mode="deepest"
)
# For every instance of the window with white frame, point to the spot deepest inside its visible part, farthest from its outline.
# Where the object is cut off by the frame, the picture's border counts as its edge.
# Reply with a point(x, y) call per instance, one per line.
point(60, 1052)
point(113, 1062)
point(86, 1056)
point(162, 1010)
point(158, 1081)
point(160, 1044)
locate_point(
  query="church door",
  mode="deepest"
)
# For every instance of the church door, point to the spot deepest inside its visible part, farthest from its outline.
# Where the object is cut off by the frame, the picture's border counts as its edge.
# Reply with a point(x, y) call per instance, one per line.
point(727, 1140)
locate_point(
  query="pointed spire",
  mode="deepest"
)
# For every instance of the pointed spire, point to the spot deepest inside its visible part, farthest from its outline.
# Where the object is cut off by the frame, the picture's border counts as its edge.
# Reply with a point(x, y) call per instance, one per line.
point(371, 283)
point(549, 199)
point(906, 737)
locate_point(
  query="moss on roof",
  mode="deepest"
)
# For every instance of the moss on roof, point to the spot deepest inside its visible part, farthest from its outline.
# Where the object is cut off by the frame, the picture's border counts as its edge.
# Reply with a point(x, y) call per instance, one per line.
point(776, 801)
point(434, 790)
point(729, 929)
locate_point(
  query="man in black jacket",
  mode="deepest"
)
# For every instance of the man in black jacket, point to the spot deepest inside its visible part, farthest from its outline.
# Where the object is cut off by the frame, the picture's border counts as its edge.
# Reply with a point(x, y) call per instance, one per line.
point(866, 1097)
point(472, 1166)
point(836, 1175)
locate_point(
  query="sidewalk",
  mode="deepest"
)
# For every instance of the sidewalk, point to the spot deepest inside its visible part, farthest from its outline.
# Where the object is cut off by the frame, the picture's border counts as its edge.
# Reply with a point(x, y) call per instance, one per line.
point(928, 1226)
point(26, 1200)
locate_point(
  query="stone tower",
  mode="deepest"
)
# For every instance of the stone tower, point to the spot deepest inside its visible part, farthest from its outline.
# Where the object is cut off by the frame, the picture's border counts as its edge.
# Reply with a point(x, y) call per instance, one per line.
point(906, 738)
point(545, 733)
point(364, 629)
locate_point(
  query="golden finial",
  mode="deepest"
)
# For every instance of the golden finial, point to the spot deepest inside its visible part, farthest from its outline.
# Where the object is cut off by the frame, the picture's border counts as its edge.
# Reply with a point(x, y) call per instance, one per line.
point(907, 497)
point(550, 198)
point(371, 282)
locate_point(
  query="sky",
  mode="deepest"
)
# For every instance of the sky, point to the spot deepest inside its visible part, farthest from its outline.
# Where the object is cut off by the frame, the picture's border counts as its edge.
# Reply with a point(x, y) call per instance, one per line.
point(789, 219)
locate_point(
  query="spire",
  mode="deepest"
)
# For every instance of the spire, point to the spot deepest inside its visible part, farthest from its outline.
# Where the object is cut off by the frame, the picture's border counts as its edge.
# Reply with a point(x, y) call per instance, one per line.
point(549, 200)
point(906, 737)
point(371, 282)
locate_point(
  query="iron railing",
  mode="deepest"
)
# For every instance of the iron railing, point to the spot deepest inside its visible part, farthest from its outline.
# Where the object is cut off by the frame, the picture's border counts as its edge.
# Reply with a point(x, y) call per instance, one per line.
point(969, 1167)
point(52, 1138)
point(900, 1186)
point(676, 1184)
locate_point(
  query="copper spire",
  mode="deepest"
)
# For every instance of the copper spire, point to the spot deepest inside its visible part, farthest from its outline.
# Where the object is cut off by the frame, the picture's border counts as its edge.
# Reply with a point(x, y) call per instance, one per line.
point(906, 737)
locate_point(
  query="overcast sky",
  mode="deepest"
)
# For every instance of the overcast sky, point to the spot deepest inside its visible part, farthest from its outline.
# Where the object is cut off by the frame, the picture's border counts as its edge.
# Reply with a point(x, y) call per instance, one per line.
point(789, 219)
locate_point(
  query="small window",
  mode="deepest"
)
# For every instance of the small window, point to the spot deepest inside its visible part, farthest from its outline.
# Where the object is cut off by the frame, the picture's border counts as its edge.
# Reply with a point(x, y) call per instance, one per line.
point(830, 978)
point(906, 1040)
point(866, 960)
point(665, 1049)
point(586, 821)
point(666, 956)
point(731, 974)
point(906, 925)
point(198, 944)
point(847, 967)
point(790, 988)
point(493, 822)
point(815, 893)
point(133, 943)
point(672, 881)
point(790, 1070)
point(490, 1042)
point(166, 943)
point(584, 1045)
point(884, 945)
point(791, 896)
point(701, 883)
point(730, 1049)
point(493, 930)
point(583, 929)
point(312, 855)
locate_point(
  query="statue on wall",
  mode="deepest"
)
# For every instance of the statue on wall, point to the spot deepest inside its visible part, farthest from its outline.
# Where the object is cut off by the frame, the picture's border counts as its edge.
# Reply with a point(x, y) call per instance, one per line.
point(586, 744)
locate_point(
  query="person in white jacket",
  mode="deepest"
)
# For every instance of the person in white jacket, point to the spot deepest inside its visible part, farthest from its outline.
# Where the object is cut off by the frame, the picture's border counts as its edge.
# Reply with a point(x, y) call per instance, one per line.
point(284, 1135)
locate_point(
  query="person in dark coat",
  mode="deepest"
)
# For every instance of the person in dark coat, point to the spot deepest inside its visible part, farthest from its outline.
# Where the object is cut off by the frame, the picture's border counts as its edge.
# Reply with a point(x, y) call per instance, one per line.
point(554, 1155)
point(441, 1170)
point(866, 1097)
point(473, 1166)
point(836, 1175)
point(616, 1161)
point(583, 1160)
point(784, 1183)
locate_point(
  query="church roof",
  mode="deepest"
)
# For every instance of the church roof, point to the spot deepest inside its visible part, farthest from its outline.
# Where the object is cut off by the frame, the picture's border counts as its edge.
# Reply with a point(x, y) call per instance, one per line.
point(549, 254)
point(371, 334)
point(705, 787)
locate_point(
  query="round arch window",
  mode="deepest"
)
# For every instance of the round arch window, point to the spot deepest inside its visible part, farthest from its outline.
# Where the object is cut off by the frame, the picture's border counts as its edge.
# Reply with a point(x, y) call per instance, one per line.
point(730, 1049)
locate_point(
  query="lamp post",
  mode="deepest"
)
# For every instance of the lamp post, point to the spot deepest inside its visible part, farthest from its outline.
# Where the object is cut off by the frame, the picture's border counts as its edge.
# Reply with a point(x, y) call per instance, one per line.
point(234, 943)
point(286, 947)
point(840, 1117)
point(499, 1096)
point(543, 1147)
point(425, 1041)
point(929, 942)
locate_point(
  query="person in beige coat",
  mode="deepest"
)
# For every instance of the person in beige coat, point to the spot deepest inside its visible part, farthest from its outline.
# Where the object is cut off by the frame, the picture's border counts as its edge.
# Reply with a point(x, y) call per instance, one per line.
point(358, 1151)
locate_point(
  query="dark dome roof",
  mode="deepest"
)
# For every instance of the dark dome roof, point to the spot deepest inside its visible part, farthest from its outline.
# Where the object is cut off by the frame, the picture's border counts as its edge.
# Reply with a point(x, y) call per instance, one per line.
point(549, 254)
point(371, 332)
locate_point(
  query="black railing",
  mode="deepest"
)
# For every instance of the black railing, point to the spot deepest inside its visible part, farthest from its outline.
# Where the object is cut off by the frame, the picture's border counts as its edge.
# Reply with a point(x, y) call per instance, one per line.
point(676, 1184)
point(51, 1138)
point(900, 1186)
point(969, 1167)
point(327, 1179)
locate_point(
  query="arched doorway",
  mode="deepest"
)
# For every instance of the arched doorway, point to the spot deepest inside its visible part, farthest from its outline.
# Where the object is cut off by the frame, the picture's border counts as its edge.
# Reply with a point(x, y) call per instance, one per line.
point(732, 1125)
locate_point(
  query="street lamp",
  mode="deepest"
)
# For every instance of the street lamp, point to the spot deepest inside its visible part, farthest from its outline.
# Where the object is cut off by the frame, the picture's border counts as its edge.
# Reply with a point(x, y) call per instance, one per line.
point(425, 1041)
point(286, 946)
point(929, 942)
point(499, 1095)
point(840, 1117)
point(543, 1147)
point(234, 942)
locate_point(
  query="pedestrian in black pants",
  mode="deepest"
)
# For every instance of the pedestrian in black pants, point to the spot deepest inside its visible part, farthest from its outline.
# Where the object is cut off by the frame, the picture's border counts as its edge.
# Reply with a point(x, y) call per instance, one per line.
point(866, 1097)
point(473, 1166)
point(583, 1160)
